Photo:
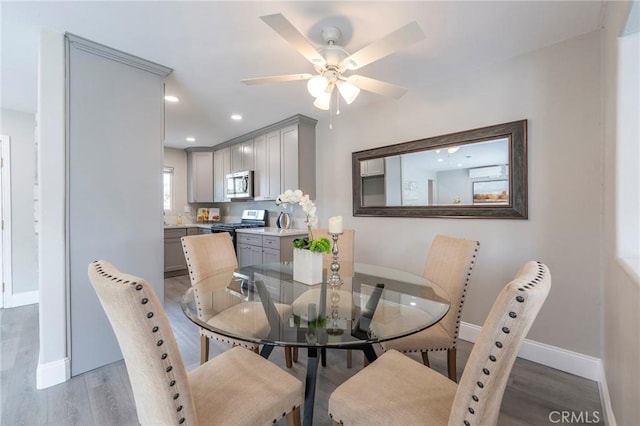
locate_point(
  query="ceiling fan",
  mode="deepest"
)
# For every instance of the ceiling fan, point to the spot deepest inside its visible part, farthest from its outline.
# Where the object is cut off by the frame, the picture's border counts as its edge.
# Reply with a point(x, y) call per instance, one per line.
point(332, 61)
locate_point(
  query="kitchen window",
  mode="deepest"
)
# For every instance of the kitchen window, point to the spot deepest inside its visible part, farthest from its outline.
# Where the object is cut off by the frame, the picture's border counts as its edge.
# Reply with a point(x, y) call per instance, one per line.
point(167, 179)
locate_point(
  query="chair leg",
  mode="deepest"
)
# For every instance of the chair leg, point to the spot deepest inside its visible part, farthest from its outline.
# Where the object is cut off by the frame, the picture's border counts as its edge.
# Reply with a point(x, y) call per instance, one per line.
point(323, 357)
point(295, 354)
point(256, 349)
point(425, 358)
point(451, 364)
point(349, 358)
point(288, 356)
point(293, 417)
point(365, 361)
point(204, 349)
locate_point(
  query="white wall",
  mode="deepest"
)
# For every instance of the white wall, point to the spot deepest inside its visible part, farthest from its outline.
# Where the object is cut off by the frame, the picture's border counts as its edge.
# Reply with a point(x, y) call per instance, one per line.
point(21, 127)
point(620, 290)
point(556, 89)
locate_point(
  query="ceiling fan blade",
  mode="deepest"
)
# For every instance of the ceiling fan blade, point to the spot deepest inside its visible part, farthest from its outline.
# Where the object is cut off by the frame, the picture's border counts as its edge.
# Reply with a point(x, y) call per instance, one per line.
point(282, 26)
point(276, 79)
point(377, 86)
point(397, 40)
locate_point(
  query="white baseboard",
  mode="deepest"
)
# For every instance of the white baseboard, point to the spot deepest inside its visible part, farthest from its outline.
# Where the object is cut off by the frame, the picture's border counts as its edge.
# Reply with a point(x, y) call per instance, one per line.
point(52, 373)
point(21, 299)
point(605, 399)
point(562, 359)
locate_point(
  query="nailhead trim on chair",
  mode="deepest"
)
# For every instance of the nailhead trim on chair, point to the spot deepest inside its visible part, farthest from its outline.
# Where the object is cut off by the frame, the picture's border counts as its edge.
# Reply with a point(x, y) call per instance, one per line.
point(154, 329)
point(493, 357)
point(464, 293)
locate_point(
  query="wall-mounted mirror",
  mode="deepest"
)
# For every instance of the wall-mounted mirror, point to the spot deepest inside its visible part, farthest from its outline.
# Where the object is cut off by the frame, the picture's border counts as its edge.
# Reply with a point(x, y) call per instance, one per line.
point(480, 173)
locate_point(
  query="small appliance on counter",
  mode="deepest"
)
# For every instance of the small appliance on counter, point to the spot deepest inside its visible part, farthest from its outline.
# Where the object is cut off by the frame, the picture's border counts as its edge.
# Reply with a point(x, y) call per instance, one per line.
point(249, 219)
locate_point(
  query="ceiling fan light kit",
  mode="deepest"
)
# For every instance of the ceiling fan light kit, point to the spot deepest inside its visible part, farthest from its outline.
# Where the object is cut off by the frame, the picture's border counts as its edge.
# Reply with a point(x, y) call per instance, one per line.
point(332, 60)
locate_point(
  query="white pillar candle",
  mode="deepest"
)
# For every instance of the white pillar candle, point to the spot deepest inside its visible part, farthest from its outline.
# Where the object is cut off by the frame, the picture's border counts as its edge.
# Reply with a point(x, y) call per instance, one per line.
point(335, 225)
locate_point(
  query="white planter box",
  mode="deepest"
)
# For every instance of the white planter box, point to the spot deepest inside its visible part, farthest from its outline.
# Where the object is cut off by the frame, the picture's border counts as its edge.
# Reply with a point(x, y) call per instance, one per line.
point(307, 266)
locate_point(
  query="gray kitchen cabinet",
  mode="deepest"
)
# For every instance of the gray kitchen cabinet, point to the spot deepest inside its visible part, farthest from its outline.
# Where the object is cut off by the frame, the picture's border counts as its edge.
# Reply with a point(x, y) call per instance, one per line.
point(173, 255)
point(242, 156)
point(283, 156)
point(199, 176)
point(254, 249)
point(373, 167)
point(298, 154)
point(249, 249)
point(204, 231)
point(267, 166)
point(221, 168)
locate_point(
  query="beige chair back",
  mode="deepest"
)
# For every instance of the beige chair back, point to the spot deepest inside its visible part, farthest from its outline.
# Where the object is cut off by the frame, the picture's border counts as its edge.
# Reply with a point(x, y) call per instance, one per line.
point(345, 245)
point(479, 394)
point(154, 363)
point(208, 254)
point(449, 264)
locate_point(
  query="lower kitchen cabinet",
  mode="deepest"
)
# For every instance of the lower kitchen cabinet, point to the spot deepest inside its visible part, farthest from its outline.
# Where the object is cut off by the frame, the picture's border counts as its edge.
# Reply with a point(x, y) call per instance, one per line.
point(254, 249)
point(174, 261)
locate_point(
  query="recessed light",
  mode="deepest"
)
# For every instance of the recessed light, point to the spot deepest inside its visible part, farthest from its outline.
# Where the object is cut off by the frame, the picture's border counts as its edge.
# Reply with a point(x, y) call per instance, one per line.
point(459, 164)
point(236, 117)
point(440, 160)
point(170, 98)
point(191, 139)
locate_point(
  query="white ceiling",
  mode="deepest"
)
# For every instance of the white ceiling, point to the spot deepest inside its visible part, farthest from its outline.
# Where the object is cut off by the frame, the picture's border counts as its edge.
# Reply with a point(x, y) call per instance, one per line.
point(213, 45)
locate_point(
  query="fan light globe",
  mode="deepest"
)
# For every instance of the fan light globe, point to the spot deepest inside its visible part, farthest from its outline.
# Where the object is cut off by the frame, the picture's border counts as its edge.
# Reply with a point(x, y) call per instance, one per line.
point(348, 91)
point(323, 101)
point(317, 85)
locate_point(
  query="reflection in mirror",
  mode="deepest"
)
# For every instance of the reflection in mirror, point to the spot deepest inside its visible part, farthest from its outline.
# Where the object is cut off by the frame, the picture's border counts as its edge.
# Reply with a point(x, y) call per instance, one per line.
point(475, 173)
point(440, 176)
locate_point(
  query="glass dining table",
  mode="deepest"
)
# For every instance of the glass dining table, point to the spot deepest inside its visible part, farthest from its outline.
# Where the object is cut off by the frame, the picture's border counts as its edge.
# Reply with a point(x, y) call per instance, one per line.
point(262, 304)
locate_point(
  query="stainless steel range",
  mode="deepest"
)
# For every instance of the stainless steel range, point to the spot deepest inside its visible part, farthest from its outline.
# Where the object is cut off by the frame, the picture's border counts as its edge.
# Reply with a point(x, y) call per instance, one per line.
point(249, 219)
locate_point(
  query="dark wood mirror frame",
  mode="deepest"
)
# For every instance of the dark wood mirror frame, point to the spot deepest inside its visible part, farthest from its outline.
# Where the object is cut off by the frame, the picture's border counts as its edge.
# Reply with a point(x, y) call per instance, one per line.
point(516, 132)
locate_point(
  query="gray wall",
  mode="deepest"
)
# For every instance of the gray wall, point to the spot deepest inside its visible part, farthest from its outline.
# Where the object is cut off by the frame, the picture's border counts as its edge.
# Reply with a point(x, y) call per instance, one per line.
point(556, 89)
point(177, 158)
point(21, 127)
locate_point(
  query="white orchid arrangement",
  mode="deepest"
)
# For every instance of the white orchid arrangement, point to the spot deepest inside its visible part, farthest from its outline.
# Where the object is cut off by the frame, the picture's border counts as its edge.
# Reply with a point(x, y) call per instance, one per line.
point(322, 245)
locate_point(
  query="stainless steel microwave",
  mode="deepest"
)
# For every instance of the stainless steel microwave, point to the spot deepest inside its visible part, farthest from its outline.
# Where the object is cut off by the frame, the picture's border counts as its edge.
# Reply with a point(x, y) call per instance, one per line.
point(239, 185)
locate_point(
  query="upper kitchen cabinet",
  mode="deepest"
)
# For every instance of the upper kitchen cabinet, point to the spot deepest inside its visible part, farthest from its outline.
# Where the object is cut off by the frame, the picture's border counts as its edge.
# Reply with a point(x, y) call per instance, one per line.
point(242, 156)
point(221, 168)
point(283, 156)
point(373, 167)
point(199, 175)
point(267, 171)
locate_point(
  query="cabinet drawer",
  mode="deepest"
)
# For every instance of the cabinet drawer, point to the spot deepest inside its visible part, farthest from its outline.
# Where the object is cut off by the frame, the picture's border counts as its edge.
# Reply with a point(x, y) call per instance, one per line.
point(175, 233)
point(271, 242)
point(255, 240)
point(192, 231)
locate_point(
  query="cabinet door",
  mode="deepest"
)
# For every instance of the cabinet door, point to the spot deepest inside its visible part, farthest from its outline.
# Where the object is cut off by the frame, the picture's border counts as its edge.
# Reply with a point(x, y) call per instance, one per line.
point(289, 166)
point(173, 255)
point(200, 172)
point(247, 155)
point(249, 255)
point(236, 158)
point(373, 167)
point(270, 255)
point(222, 166)
point(274, 161)
point(261, 170)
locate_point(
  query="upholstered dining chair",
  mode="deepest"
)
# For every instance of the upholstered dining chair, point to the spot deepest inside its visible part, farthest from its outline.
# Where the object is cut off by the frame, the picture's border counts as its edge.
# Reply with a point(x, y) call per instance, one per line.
point(396, 389)
point(220, 392)
point(449, 264)
point(211, 254)
point(346, 243)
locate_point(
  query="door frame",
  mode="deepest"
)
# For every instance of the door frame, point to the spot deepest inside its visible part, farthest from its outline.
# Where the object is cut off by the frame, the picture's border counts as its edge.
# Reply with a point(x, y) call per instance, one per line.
point(5, 214)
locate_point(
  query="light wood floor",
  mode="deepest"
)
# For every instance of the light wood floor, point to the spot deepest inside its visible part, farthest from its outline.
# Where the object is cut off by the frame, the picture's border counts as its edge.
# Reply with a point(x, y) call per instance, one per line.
point(103, 396)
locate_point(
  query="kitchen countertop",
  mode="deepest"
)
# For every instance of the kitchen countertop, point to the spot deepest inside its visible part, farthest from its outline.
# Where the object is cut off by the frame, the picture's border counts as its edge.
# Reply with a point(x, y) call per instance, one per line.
point(188, 225)
point(276, 232)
